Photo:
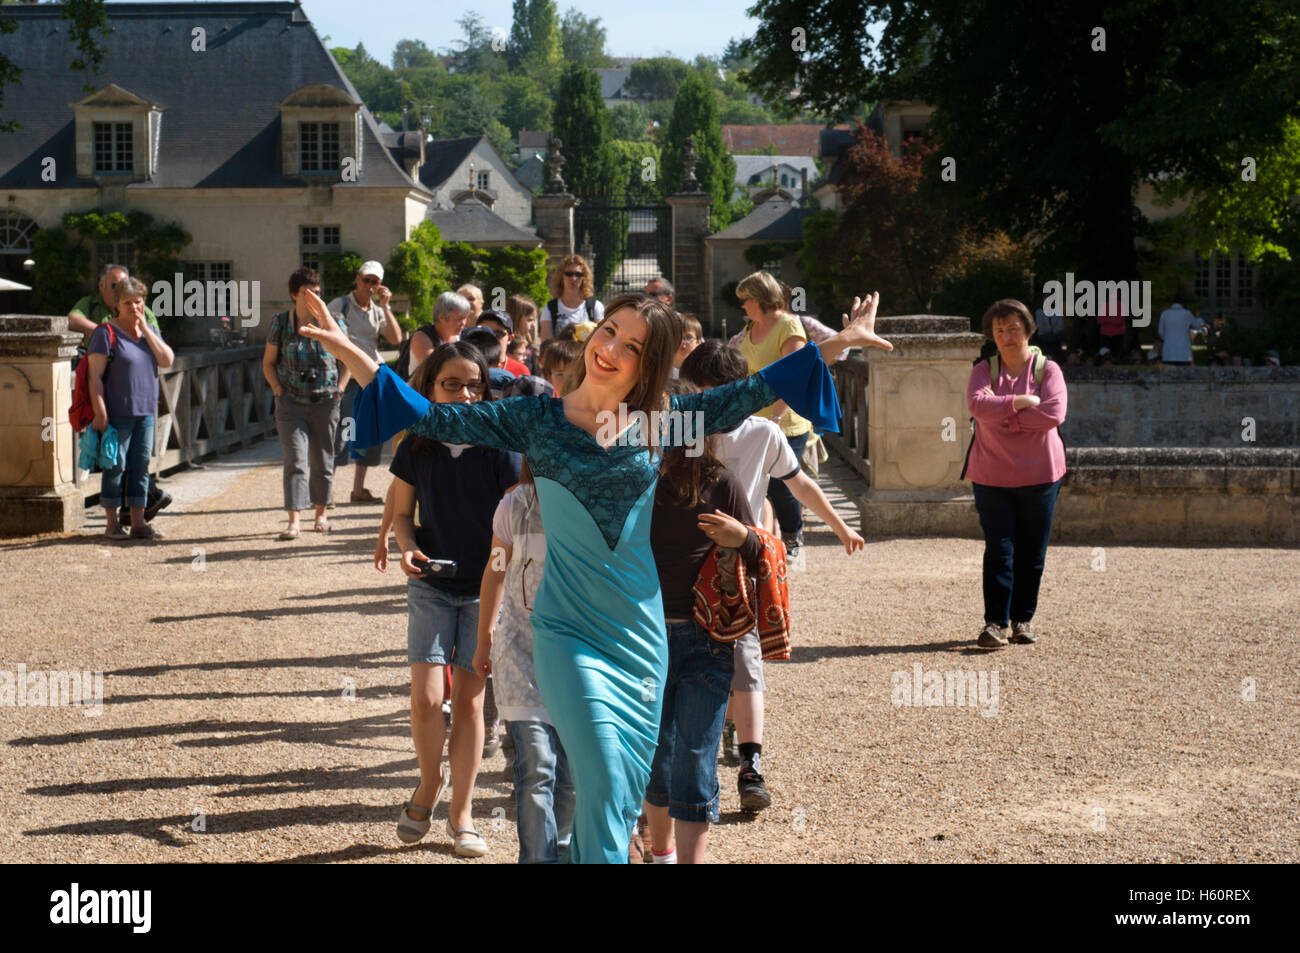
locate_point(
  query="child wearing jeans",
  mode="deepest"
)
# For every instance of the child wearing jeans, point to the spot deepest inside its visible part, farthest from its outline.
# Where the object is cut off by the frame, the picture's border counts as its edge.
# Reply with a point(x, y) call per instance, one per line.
point(543, 788)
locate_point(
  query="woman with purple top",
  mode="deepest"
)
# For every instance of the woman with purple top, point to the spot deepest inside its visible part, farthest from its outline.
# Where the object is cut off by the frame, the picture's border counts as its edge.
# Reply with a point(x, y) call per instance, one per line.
point(125, 353)
point(1016, 464)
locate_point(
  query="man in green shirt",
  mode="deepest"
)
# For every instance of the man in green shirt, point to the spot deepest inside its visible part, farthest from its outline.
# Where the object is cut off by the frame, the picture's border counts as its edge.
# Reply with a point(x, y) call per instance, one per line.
point(91, 311)
point(86, 315)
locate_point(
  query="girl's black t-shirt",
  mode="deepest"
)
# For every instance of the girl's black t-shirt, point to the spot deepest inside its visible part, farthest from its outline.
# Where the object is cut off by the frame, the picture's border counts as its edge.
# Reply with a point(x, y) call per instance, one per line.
point(455, 499)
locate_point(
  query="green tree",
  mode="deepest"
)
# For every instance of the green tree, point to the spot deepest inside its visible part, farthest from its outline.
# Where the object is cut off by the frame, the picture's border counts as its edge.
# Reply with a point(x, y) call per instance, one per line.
point(477, 50)
point(1179, 94)
point(582, 40)
point(416, 268)
point(581, 123)
point(535, 39)
point(695, 113)
point(413, 54)
point(88, 28)
point(525, 105)
point(628, 121)
point(472, 111)
point(656, 78)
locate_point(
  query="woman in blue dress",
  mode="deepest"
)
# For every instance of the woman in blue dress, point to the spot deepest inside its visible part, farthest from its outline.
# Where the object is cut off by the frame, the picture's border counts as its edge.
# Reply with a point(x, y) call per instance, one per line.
point(599, 640)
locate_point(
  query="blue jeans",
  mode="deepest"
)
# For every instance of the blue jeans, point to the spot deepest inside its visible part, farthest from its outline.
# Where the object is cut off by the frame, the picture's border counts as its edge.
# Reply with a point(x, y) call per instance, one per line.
point(684, 772)
point(1017, 521)
point(543, 793)
point(788, 510)
point(441, 628)
point(135, 449)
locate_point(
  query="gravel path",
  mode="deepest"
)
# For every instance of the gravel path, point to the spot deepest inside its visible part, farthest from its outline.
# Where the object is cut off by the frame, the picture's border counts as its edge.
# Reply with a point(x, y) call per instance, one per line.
point(1156, 721)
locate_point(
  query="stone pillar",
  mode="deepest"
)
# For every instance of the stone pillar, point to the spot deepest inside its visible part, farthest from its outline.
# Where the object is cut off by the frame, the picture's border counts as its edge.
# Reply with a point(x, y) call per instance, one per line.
point(690, 279)
point(916, 399)
point(37, 494)
point(553, 216)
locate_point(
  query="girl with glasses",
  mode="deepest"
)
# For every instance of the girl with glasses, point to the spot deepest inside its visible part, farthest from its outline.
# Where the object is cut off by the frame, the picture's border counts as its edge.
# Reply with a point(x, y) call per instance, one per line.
point(456, 488)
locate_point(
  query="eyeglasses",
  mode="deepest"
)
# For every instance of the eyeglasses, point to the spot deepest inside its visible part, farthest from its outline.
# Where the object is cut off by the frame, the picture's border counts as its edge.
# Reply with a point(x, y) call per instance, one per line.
point(575, 274)
point(369, 280)
point(453, 386)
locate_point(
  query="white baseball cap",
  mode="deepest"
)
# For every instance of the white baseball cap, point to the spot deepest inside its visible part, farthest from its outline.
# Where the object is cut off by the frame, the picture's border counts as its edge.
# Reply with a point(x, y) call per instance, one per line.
point(372, 268)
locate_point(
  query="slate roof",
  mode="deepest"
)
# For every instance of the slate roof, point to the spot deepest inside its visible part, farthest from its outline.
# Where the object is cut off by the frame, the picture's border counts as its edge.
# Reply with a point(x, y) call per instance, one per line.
point(531, 172)
point(442, 157)
point(774, 220)
point(611, 81)
point(220, 123)
point(750, 170)
point(472, 221)
point(530, 139)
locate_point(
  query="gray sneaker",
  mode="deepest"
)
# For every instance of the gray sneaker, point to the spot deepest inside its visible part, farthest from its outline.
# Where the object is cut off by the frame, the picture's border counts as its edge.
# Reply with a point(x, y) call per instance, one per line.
point(991, 636)
point(1022, 634)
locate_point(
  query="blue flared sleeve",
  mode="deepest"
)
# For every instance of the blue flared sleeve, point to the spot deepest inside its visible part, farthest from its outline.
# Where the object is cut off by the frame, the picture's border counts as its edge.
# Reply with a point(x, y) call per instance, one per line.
point(800, 378)
point(388, 405)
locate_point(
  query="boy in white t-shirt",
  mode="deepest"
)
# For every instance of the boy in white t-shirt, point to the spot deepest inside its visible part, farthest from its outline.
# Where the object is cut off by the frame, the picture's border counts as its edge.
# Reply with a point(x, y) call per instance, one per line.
point(755, 451)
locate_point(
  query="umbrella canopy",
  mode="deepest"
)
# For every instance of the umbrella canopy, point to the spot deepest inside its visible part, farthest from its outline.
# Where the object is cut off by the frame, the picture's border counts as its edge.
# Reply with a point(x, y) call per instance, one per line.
point(7, 285)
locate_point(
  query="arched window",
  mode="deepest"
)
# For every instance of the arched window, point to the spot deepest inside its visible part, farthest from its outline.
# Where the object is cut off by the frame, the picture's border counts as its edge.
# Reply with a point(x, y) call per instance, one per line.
point(16, 231)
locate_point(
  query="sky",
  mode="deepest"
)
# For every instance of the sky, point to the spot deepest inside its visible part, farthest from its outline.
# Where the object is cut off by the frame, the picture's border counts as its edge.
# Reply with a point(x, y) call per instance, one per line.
point(682, 28)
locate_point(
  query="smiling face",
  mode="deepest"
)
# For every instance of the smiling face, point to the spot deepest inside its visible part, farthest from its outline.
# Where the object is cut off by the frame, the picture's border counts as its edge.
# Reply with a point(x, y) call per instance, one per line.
point(613, 353)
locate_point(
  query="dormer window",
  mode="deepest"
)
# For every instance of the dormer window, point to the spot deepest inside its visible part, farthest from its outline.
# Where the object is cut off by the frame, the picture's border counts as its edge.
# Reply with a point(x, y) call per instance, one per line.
point(113, 150)
point(117, 135)
point(484, 180)
point(320, 133)
point(318, 144)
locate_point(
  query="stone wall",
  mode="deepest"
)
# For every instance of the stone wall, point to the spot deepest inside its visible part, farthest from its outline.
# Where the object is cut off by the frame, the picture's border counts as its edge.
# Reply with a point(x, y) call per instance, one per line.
point(1182, 406)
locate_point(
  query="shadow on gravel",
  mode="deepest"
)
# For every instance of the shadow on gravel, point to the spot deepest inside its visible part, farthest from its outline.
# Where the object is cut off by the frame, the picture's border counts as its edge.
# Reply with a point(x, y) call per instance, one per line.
point(359, 660)
point(318, 544)
point(392, 725)
point(393, 774)
point(332, 692)
point(815, 653)
point(160, 829)
point(385, 605)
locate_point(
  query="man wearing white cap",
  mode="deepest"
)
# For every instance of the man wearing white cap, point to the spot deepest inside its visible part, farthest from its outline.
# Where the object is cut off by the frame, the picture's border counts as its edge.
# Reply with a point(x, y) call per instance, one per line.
point(368, 316)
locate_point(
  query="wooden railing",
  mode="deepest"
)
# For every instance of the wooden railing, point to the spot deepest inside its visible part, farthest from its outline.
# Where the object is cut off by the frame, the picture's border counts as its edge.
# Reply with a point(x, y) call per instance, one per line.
point(851, 385)
point(209, 401)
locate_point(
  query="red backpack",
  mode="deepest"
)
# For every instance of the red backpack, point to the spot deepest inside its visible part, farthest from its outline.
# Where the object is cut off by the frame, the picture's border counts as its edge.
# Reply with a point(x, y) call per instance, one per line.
point(82, 411)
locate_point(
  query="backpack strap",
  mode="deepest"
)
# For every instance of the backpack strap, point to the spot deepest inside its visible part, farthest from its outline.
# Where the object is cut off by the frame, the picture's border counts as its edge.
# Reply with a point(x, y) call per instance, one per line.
point(553, 306)
point(590, 305)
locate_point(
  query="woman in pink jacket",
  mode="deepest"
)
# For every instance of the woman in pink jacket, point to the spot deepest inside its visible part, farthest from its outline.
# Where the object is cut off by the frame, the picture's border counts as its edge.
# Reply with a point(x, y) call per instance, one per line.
point(1016, 464)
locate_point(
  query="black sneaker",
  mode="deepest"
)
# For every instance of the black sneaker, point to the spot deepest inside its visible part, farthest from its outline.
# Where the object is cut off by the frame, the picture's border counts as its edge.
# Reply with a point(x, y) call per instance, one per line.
point(160, 502)
point(753, 793)
point(730, 750)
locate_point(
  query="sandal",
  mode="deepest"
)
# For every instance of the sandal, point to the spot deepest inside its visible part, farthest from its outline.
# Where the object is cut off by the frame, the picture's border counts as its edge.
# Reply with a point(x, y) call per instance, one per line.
point(117, 533)
point(410, 829)
point(322, 526)
point(145, 532)
point(467, 842)
point(290, 533)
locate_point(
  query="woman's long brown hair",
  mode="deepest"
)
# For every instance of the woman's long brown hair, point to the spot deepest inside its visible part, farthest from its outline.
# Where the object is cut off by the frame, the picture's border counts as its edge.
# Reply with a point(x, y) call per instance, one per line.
point(662, 339)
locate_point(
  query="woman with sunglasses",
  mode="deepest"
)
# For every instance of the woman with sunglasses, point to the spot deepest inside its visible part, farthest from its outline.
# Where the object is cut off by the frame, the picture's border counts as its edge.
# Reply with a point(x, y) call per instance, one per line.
point(600, 645)
point(573, 300)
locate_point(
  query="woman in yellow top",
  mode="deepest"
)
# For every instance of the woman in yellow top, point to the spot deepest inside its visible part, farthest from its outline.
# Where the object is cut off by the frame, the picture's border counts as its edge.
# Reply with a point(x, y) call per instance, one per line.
point(771, 334)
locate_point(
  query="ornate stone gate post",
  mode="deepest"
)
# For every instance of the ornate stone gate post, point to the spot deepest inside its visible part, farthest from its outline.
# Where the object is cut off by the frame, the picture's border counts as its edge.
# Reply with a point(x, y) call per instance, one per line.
point(918, 428)
point(37, 494)
point(553, 209)
point(691, 208)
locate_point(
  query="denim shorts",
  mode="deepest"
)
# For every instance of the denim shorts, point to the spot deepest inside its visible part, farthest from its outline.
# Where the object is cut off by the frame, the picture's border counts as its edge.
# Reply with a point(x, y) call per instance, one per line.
point(441, 629)
point(684, 773)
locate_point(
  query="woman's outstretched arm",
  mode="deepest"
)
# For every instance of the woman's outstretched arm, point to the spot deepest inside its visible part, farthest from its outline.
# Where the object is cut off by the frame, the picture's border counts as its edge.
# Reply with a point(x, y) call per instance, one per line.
point(801, 379)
